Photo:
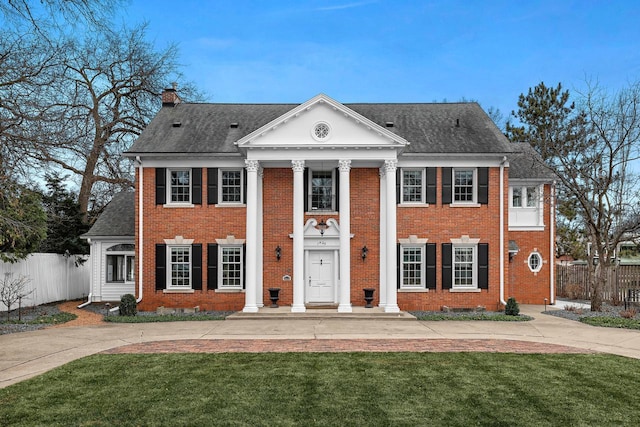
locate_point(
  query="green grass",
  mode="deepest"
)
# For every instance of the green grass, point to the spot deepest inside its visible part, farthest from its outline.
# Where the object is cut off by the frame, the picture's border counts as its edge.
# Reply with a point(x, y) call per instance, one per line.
point(330, 389)
point(611, 322)
point(472, 316)
point(163, 318)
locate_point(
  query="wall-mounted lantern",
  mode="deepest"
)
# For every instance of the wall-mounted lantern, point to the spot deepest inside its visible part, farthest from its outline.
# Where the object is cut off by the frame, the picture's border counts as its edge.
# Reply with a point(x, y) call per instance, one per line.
point(278, 252)
point(365, 252)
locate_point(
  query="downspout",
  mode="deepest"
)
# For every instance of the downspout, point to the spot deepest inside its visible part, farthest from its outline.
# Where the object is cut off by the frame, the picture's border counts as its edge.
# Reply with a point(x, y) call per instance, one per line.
point(552, 246)
point(140, 227)
point(502, 301)
point(90, 296)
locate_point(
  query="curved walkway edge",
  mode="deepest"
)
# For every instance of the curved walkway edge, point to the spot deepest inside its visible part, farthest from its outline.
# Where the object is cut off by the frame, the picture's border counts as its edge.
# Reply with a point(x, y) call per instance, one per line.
point(25, 355)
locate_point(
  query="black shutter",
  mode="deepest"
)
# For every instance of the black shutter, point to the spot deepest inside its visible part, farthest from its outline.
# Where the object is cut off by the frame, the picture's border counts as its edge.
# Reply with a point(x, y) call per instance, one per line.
point(161, 267)
point(212, 266)
point(447, 267)
point(483, 186)
point(161, 186)
point(483, 266)
point(212, 186)
point(196, 266)
point(431, 186)
point(244, 186)
point(244, 266)
point(446, 185)
point(398, 186)
point(337, 201)
point(431, 266)
point(196, 186)
point(306, 190)
point(399, 264)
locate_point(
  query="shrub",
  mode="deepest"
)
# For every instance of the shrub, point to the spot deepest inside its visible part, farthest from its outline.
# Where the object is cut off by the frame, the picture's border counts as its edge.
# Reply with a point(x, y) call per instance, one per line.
point(512, 308)
point(128, 305)
point(628, 314)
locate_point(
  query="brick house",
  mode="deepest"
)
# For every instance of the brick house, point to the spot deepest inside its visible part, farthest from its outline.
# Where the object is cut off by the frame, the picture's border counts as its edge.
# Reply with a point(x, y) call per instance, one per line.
point(420, 202)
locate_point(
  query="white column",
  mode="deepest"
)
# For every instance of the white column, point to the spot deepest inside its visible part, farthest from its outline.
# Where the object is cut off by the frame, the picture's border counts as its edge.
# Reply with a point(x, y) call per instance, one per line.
point(392, 291)
point(298, 236)
point(344, 305)
point(250, 305)
point(260, 240)
point(383, 238)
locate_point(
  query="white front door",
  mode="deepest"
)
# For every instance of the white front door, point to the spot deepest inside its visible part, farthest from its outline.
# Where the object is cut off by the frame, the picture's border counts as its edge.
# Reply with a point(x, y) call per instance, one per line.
point(321, 280)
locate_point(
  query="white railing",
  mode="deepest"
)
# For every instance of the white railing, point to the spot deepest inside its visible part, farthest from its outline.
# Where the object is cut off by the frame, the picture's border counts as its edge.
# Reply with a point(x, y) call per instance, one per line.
point(52, 277)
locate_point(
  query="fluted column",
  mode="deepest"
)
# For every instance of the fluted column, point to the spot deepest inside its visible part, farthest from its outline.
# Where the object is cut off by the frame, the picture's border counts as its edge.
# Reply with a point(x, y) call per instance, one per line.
point(250, 305)
point(344, 306)
point(383, 238)
point(391, 282)
point(298, 236)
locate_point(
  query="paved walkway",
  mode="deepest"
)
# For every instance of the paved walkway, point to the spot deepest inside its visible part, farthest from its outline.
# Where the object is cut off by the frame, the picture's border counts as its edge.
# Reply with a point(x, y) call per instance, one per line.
point(25, 355)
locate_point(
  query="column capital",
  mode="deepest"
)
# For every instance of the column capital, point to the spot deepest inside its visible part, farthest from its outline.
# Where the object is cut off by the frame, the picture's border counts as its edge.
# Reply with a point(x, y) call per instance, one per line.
point(297, 165)
point(252, 165)
point(344, 165)
point(390, 166)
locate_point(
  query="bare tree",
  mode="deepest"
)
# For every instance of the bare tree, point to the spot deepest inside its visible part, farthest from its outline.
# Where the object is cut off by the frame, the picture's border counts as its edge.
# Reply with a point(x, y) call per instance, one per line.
point(591, 147)
point(12, 290)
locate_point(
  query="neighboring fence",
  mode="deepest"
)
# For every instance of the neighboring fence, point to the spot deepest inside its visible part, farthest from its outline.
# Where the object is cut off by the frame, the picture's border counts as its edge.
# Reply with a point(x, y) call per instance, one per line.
point(572, 281)
point(52, 277)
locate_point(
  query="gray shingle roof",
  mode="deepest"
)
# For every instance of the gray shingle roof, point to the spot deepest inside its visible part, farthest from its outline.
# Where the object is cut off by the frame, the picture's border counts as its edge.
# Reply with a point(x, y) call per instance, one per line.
point(526, 163)
point(430, 128)
point(117, 219)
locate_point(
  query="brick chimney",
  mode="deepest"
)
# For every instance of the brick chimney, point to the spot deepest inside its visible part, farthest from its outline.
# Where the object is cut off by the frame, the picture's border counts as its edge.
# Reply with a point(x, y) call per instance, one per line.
point(170, 96)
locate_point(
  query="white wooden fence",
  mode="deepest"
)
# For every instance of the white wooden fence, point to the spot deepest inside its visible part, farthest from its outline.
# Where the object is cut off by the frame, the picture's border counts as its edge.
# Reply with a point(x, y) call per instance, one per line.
point(52, 277)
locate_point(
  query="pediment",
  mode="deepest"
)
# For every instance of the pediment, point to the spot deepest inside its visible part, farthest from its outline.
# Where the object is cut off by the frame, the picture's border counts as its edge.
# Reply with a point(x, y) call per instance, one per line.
point(321, 123)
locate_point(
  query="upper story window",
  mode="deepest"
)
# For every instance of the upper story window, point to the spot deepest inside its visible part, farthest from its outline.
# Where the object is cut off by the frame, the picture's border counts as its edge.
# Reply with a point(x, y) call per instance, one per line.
point(322, 190)
point(231, 185)
point(524, 197)
point(413, 185)
point(180, 186)
point(525, 209)
point(464, 187)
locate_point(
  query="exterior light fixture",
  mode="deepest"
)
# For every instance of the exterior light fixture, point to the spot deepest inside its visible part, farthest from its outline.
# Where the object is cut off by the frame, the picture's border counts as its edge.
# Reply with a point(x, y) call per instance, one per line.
point(365, 252)
point(322, 226)
point(278, 252)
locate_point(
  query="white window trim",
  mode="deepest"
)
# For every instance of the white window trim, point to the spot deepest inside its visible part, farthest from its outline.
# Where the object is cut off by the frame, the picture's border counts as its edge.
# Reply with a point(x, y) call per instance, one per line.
point(525, 197)
point(171, 203)
point(423, 276)
point(531, 255)
point(221, 286)
point(538, 208)
point(126, 256)
point(333, 190)
point(423, 185)
point(474, 190)
point(170, 286)
point(464, 242)
point(220, 192)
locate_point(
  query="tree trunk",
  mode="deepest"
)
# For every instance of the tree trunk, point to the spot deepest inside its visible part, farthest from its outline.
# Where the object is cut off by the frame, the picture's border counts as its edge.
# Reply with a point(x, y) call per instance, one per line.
point(598, 279)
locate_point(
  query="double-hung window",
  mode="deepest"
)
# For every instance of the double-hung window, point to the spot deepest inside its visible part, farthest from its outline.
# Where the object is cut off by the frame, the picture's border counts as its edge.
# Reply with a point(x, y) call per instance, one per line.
point(231, 185)
point(464, 267)
point(412, 267)
point(464, 186)
point(179, 267)
point(322, 190)
point(413, 186)
point(180, 186)
point(524, 197)
point(230, 267)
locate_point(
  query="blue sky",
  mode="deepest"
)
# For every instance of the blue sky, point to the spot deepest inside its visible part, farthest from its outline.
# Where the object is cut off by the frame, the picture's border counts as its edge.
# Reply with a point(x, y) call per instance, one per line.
point(396, 51)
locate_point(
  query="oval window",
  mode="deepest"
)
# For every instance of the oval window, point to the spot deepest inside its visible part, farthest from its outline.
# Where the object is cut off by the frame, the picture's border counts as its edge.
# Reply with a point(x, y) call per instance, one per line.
point(535, 262)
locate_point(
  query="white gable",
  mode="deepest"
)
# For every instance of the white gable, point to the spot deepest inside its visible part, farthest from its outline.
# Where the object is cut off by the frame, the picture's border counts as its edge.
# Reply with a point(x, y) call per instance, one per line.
point(321, 123)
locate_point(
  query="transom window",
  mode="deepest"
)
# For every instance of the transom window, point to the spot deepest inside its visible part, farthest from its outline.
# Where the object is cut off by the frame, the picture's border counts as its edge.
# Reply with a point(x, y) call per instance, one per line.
point(463, 185)
point(463, 266)
point(413, 267)
point(524, 197)
point(180, 267)
point(412, 185)
point(322, 190)
point(231, 267)
point(180, 186)
point(231, 186)
point(535, 262)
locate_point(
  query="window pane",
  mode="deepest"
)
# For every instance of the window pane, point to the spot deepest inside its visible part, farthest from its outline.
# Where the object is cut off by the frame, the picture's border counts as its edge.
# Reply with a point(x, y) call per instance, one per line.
point(532, 197)
point(517, 197)
point(535, 262)
point(412, 186)
point(231, 267)
point(463, 186)
point(322, 190)
point(131, 267)
point(463, 267)
point(412, 267)
point(180, 266)
point(232, 186)
point(115, 268)
point(180, 186)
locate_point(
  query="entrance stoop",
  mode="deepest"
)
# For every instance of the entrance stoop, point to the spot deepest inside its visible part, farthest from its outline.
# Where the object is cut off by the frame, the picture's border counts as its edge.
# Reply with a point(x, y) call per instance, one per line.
point(359, 313)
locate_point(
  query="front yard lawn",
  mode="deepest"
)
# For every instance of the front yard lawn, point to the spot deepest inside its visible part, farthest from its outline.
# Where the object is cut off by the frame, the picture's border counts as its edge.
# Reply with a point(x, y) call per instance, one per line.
point(329, 389)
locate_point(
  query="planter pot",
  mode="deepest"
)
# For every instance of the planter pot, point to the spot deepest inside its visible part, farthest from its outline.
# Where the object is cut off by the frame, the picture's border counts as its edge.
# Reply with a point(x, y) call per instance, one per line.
point(274, 296)
point(368, 296)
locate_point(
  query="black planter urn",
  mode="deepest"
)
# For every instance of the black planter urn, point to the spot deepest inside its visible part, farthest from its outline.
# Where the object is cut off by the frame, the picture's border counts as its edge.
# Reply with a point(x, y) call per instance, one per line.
point(368, 296)
point(274, 296)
